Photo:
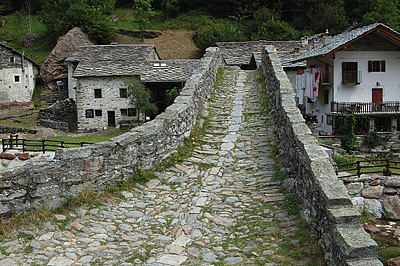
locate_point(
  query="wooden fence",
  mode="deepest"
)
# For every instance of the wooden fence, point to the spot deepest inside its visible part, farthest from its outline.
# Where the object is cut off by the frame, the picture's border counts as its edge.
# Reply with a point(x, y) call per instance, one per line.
point(34, 145)
point(385, 167)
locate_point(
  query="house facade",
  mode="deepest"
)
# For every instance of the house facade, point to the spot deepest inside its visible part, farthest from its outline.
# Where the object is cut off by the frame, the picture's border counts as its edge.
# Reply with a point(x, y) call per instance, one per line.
point(17, 76)
point(97, 78)
point(358, 74)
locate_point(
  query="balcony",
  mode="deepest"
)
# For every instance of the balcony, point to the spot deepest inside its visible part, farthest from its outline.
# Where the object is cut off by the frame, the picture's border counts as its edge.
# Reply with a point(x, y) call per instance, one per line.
point(351, 77)
point(365, 108)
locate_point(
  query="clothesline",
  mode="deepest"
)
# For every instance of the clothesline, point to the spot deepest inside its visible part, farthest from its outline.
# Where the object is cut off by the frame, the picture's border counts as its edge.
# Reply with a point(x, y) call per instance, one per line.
point(307, 84)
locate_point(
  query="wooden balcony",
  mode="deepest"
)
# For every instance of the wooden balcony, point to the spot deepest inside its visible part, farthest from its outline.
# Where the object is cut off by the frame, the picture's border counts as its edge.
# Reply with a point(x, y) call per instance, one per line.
point(365, 108)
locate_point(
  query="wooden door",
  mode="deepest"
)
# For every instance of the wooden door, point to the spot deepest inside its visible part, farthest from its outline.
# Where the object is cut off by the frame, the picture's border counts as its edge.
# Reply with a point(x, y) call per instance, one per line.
point(111, 118)
point(377, 99)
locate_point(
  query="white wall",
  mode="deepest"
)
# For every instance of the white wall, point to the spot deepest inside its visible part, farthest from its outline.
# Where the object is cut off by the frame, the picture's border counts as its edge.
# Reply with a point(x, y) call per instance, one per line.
point(11, 91)
point(389, 80)
point(110, 101)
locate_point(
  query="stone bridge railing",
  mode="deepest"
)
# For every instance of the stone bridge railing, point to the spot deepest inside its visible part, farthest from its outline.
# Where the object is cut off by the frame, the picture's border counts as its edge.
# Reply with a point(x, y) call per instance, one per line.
point(73, 170)
point(333, 220)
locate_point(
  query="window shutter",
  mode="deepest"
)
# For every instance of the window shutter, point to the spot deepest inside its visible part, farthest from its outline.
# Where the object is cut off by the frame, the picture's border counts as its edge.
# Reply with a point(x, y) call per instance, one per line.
point(369, 66)
point(383, 66)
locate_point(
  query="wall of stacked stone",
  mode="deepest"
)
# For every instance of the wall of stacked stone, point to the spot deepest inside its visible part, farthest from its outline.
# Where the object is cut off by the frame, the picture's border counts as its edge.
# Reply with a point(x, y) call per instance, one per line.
point(327, 207)
point(99, 165)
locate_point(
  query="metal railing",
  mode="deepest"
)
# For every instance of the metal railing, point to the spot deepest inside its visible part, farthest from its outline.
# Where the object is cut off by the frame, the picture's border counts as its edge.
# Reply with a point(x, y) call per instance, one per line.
point(363, 108)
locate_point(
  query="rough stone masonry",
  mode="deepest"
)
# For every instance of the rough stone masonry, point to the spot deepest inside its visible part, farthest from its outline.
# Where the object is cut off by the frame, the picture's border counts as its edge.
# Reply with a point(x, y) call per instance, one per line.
point(327, 206)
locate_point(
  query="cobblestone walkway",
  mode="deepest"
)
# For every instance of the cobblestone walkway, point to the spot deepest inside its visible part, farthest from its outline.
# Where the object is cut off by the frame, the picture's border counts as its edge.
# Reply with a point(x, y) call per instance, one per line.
point(219, 207)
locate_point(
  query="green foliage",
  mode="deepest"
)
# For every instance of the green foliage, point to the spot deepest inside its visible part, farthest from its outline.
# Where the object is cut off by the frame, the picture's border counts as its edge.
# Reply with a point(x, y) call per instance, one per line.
point(278, 176)
point(37, 91)
point(172, 94)
point(343, 160)
point(61, 16)
point(383, 11)
point(268, 25)
point(5, 7)
point(171, 7)
point(372, 140)
point(367, 217)
point(140, 96)
point(143, 12)
point(220, 32)
point(349, 140)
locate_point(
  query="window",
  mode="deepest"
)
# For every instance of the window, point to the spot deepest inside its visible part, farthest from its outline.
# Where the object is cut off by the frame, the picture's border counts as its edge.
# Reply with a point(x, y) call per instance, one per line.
point(89, 113)
point(326, 96)
point(132, 112)
point(98, 113)
point(12, 59)
point(97, 93)
point(123, 93)
point(350, 72)
point(16, 78)
point(376, 66)
point(329, 120)
point(124, 112)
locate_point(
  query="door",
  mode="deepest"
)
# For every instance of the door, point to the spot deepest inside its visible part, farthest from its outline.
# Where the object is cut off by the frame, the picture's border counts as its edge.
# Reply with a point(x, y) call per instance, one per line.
point(111, 118)
point(377, 99)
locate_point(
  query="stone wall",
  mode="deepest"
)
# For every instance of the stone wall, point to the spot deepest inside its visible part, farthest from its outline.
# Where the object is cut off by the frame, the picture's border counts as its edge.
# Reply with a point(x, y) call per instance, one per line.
point(61, 115)
point(375, 194)
point(328, 209)
point(99, 165)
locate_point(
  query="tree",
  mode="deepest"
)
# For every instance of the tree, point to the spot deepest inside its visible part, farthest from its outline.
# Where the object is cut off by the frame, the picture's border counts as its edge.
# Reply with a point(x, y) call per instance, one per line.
point(140, 96)
point(143, 12)
point(383, 11)
point(91, 15)
point(5, 7)
point(170, 7)
point(267, 25)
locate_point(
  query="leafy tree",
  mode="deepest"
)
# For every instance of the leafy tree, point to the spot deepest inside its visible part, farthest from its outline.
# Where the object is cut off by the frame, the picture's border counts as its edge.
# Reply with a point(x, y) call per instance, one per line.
point(383, 11)
point(170, 7)
point(62, 15)
point(5, 7)
point(267, 25)
point(222, 32)
point(139, 96)
point(331, 16)
point(143, 12)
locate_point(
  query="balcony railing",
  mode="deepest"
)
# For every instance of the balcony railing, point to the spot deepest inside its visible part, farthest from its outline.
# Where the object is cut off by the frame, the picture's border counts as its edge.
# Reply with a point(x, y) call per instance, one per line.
point(352, 77)
point(363, 108)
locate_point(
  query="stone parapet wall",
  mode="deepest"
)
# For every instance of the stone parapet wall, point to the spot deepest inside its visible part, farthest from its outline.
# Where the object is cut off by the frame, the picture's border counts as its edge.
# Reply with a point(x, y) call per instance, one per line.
point(328, 209)
point(99, 165)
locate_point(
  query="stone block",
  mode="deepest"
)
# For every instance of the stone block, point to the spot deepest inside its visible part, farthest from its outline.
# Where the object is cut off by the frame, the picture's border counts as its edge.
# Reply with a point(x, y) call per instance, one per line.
point(373, 192)
point(392, 182)
point(374, 207)
point(354, 188)
point(391, 206)
point(73, 153)
point(344, 215)
point(354, 243)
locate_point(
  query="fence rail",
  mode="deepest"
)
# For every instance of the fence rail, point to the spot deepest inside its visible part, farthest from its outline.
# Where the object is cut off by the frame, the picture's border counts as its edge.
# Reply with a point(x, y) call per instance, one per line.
point(34, 145)
point(385, 165)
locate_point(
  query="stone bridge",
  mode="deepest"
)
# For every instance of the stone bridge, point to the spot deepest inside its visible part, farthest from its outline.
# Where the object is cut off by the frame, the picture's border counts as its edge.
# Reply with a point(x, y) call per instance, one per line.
point(219, 206)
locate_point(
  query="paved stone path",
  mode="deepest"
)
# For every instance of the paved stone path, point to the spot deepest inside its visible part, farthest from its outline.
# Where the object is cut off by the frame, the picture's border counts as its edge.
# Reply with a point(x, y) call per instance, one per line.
point(217, 207)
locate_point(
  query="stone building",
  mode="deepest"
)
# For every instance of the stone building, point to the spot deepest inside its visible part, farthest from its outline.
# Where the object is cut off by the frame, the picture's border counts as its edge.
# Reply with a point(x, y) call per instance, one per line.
point(97, 76)
point(17, 76)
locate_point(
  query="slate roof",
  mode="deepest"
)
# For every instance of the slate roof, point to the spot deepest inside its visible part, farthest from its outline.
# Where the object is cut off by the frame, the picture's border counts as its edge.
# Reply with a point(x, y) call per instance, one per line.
point(18, 53)
point(340, 40)
point(129, 60)
point(175, 70)
point(239, 53)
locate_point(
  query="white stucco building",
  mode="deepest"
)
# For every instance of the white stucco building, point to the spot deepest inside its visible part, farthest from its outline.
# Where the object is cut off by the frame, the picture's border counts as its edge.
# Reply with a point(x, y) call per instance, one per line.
point(97, 75)
point(17, 76)
point(360, 75)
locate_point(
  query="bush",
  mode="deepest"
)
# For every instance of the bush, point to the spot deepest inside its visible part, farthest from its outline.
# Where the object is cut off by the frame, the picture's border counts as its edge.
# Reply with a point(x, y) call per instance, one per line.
point(372, 140)
point(223, 32)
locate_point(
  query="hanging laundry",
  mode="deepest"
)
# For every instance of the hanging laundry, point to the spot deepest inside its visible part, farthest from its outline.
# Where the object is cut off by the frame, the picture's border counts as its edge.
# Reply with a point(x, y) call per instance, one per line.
point(300, 86)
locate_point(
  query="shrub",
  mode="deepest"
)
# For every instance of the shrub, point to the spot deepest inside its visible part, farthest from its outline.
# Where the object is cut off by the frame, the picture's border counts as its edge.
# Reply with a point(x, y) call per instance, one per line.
point(222, 32)
point(372, 140)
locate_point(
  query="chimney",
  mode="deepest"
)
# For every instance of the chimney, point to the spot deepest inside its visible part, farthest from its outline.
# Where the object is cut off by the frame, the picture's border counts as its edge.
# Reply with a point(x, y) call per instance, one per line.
point(327, 38)
point(304, 41)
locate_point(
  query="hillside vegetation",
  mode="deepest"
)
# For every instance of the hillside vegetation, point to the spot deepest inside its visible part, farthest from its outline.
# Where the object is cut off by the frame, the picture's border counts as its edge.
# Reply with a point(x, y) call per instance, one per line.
point(33, 26)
